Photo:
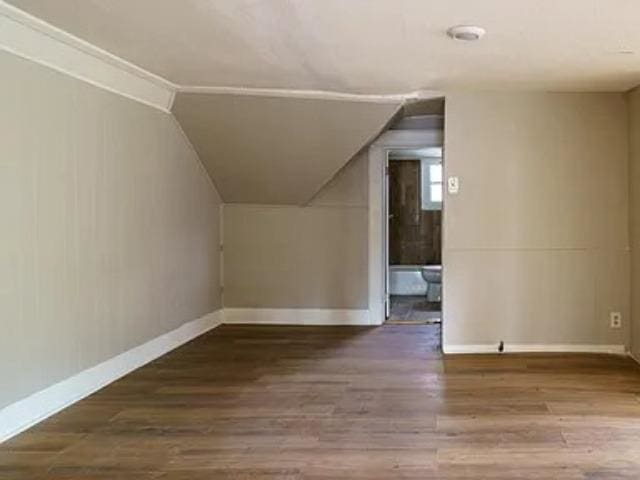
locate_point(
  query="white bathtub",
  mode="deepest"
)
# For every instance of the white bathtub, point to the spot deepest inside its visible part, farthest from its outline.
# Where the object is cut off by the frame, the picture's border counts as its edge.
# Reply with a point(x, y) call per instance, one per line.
point(407, 280)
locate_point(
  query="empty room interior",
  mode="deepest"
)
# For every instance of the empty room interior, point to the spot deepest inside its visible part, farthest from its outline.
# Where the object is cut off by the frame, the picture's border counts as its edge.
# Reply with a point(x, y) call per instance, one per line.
point(319, 239)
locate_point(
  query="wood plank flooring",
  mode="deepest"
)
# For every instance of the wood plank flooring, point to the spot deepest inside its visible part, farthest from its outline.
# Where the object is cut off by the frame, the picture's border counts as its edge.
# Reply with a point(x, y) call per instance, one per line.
point(258, 402)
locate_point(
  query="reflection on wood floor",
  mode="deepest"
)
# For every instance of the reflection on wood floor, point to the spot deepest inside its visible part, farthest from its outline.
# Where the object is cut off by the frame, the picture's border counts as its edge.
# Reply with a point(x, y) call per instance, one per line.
point(321, 403)
point(413, 309)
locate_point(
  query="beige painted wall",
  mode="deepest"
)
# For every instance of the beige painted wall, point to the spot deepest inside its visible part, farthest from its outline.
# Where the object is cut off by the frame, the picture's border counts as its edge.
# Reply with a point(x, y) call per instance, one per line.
point(537, 239)
point(301, 257)
point(109, 227)
point(634, 216)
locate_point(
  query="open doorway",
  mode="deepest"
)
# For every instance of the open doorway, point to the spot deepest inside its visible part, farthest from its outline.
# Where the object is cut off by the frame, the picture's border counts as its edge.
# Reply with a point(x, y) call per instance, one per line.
point(414, 235)
point(407, 166)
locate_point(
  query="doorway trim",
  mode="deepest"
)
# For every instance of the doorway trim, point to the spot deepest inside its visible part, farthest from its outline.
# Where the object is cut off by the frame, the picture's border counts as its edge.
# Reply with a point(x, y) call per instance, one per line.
point(378, 152)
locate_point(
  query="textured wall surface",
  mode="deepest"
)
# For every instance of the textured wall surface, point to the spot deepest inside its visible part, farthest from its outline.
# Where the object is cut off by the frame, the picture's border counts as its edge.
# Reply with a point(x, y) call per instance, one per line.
point(109, 227)
point(301, 257)
point(536, 242)
point(634, 216)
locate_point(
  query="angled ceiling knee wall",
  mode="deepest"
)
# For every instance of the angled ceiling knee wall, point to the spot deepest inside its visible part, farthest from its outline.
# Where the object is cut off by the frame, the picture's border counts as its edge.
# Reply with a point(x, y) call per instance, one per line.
point(276, 150)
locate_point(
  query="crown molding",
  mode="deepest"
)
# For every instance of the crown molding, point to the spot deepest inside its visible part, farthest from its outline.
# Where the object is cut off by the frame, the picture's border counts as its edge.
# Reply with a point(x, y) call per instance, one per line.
point(33, 39)
point(396, 98)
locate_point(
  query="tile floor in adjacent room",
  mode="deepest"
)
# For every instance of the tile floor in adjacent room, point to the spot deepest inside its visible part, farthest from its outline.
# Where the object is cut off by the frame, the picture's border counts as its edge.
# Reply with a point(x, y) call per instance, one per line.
point(413, 309)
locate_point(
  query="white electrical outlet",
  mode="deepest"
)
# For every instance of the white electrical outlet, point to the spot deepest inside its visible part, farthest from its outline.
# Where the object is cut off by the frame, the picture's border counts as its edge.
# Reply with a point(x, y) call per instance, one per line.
point(615, 319)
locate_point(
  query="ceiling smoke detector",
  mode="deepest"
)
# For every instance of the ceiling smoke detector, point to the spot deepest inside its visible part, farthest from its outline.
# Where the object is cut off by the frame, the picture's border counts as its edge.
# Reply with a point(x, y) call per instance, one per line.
point(468, 33)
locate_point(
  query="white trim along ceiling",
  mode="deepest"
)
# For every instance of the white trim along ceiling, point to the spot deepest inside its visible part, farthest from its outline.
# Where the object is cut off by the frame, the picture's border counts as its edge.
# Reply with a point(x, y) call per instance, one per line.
point(278, 134)
point(27, 36)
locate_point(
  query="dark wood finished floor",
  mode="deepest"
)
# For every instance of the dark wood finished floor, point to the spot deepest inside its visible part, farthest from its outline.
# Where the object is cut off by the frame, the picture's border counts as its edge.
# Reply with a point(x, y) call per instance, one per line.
point(249, 402)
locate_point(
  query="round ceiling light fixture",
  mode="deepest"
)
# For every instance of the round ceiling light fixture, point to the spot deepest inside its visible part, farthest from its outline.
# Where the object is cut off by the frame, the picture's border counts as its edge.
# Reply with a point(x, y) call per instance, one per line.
point(468, 33)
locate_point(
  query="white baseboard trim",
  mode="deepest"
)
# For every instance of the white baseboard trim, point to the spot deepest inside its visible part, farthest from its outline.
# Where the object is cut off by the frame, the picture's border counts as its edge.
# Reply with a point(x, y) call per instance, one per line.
point(633, 357)
point(532, 348)
point(296, 316)
point(21, 415)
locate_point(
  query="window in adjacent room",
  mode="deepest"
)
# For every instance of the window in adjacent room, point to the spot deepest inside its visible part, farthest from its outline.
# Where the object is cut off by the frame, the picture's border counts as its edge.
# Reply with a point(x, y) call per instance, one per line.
point(431, 184)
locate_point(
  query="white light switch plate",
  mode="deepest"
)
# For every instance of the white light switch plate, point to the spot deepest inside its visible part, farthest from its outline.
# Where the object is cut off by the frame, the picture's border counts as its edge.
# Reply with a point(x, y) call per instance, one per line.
point(453, 185)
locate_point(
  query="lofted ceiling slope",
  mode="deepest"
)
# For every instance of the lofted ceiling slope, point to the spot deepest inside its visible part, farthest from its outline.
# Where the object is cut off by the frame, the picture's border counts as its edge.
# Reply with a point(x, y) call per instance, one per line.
point(364, 46)
point(276, 150)
point(281, 150)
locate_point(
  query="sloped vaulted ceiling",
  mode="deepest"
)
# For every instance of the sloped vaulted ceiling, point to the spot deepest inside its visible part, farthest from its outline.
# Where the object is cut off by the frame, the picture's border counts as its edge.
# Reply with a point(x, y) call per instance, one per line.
point(276, 150)
point(281, 150)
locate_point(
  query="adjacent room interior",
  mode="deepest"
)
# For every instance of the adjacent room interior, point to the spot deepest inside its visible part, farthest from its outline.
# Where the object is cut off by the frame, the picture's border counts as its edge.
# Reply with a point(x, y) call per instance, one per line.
point(415, 270)
point(415, 226)
point(268, 239)
point(414, 205)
